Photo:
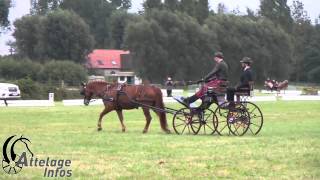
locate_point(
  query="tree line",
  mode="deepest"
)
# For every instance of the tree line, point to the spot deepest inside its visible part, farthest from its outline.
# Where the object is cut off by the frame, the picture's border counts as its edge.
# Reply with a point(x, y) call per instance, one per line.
point(174, 38)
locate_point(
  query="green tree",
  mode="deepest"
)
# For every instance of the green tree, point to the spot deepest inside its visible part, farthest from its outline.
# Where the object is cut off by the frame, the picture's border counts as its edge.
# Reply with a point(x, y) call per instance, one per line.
point(12, 46)
point(201, 11)
point(267, 45)
point(166, 43)
point(278, 12)
point(96, 13)
point(4, 13)
point(172, 5)
point(221, 9)
point(251, 14)
point(311, 64)
point(58, 35)
point(299, 14)
point(187, 6)
point(151, 4)
point(121, 4)
point(27, 34)
point(302, 36)
point(118, 23)
point(65, 36)
point(42, 7)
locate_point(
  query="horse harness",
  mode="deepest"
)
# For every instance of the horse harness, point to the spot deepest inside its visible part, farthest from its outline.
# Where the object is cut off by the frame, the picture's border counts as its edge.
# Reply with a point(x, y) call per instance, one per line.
point(120, 91)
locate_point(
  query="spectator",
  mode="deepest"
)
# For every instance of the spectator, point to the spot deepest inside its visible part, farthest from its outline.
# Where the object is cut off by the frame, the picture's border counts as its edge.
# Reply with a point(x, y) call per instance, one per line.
point(169, 86)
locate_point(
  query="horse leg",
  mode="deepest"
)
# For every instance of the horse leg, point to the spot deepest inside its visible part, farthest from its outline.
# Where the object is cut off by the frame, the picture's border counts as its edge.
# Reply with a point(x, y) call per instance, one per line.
point(120, 116)
point(146, 112)
point(106, 110)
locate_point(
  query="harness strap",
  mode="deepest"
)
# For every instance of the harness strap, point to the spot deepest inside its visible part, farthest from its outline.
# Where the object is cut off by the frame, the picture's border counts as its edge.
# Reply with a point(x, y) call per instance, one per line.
point(116, 100)
point(140, 93)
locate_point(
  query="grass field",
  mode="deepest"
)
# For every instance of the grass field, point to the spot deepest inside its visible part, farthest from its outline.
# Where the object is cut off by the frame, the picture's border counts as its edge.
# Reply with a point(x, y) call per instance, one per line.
point(288, 147)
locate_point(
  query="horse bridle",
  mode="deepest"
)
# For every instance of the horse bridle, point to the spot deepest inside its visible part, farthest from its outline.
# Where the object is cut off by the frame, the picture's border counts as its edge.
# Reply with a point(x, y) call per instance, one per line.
point(86, 100)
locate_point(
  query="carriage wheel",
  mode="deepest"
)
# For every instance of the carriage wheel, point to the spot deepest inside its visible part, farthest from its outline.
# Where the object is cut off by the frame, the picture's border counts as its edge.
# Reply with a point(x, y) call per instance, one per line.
point(12, 167)
point(204, 123)
point(238, 120)
point(183, 120)
point(256, 117)
point(220, 119)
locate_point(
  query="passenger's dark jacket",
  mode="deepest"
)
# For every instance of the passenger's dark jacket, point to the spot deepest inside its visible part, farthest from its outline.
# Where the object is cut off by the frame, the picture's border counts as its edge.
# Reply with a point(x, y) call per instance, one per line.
point(245, 77)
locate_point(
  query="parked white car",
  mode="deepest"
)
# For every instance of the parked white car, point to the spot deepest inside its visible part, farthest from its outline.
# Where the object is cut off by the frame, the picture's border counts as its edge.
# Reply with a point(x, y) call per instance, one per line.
point(9, 91)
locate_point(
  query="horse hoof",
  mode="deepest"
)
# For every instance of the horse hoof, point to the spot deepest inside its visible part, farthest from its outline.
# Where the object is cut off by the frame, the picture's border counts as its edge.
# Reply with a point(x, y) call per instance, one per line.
point(99, 129)
point(144, 131)
point(168, 131)
point(123, 130)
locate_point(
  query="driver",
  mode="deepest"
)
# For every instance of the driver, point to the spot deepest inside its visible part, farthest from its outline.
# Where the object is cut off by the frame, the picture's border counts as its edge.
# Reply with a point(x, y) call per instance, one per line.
point(218, 75)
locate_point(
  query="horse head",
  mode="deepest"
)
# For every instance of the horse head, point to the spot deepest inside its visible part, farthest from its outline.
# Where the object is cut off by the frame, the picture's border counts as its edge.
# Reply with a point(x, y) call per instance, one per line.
point(91, 89)
point(86, 92)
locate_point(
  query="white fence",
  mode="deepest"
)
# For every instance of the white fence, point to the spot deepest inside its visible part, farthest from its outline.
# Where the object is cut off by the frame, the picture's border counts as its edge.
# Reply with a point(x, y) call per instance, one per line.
point(300, 98)
point(175, 92)
point(285, 96)
point(27, 103)
point(76, 102)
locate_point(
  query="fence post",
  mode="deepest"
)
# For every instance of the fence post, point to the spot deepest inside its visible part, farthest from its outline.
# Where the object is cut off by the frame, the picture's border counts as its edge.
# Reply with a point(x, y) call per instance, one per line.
point(51, 97)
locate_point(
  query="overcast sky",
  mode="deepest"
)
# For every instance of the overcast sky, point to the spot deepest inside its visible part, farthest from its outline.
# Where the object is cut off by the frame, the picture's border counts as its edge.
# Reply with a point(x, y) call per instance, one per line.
point(21, 7)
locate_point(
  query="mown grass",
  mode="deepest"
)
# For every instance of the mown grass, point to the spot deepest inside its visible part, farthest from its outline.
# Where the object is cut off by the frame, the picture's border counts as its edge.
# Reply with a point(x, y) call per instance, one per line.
point(288, 147)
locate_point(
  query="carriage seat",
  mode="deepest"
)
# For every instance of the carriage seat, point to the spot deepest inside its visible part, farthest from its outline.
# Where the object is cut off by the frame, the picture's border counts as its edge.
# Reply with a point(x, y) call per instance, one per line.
point(246, 91)
point(220, 90)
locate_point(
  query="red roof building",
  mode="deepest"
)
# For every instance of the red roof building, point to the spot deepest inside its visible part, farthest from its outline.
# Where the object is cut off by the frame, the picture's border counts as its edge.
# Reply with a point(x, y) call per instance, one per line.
point(112, 63)
point(105, 59)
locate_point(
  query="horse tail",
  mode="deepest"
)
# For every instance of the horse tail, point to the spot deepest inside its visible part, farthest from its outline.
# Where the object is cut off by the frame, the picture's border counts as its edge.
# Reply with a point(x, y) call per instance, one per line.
point(162, 115)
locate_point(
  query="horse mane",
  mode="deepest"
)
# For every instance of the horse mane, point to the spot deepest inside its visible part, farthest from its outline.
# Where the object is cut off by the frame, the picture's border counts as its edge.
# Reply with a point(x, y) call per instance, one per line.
point(96, 83)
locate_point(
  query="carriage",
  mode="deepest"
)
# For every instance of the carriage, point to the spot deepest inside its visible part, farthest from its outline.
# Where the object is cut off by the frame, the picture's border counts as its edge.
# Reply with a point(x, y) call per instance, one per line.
point(243, 116)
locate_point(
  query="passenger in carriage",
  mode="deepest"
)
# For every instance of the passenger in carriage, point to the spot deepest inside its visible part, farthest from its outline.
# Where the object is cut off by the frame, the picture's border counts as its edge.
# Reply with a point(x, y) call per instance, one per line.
point(217, 76)
point(245, 78)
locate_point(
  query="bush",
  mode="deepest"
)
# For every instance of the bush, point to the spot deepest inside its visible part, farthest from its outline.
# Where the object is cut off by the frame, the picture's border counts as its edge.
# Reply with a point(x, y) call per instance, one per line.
point(12, 69)
point(54, 71)
point(70, 72)
point(309, 91)
point(33, 90)
point(63, 93)
point(30, 89)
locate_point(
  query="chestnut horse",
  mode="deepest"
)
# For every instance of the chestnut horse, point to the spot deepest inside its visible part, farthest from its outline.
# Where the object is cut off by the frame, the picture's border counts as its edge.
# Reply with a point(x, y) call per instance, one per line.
point(282, 85)
point(276, 86)
point(119, 99)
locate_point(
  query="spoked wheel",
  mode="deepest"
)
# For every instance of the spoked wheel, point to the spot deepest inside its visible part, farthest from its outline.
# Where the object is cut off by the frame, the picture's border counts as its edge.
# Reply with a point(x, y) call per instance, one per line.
point(204, 123)
point(220, 119)
point(238, 119)
point(256, 117)
point(184, 122)
point(12, 167)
